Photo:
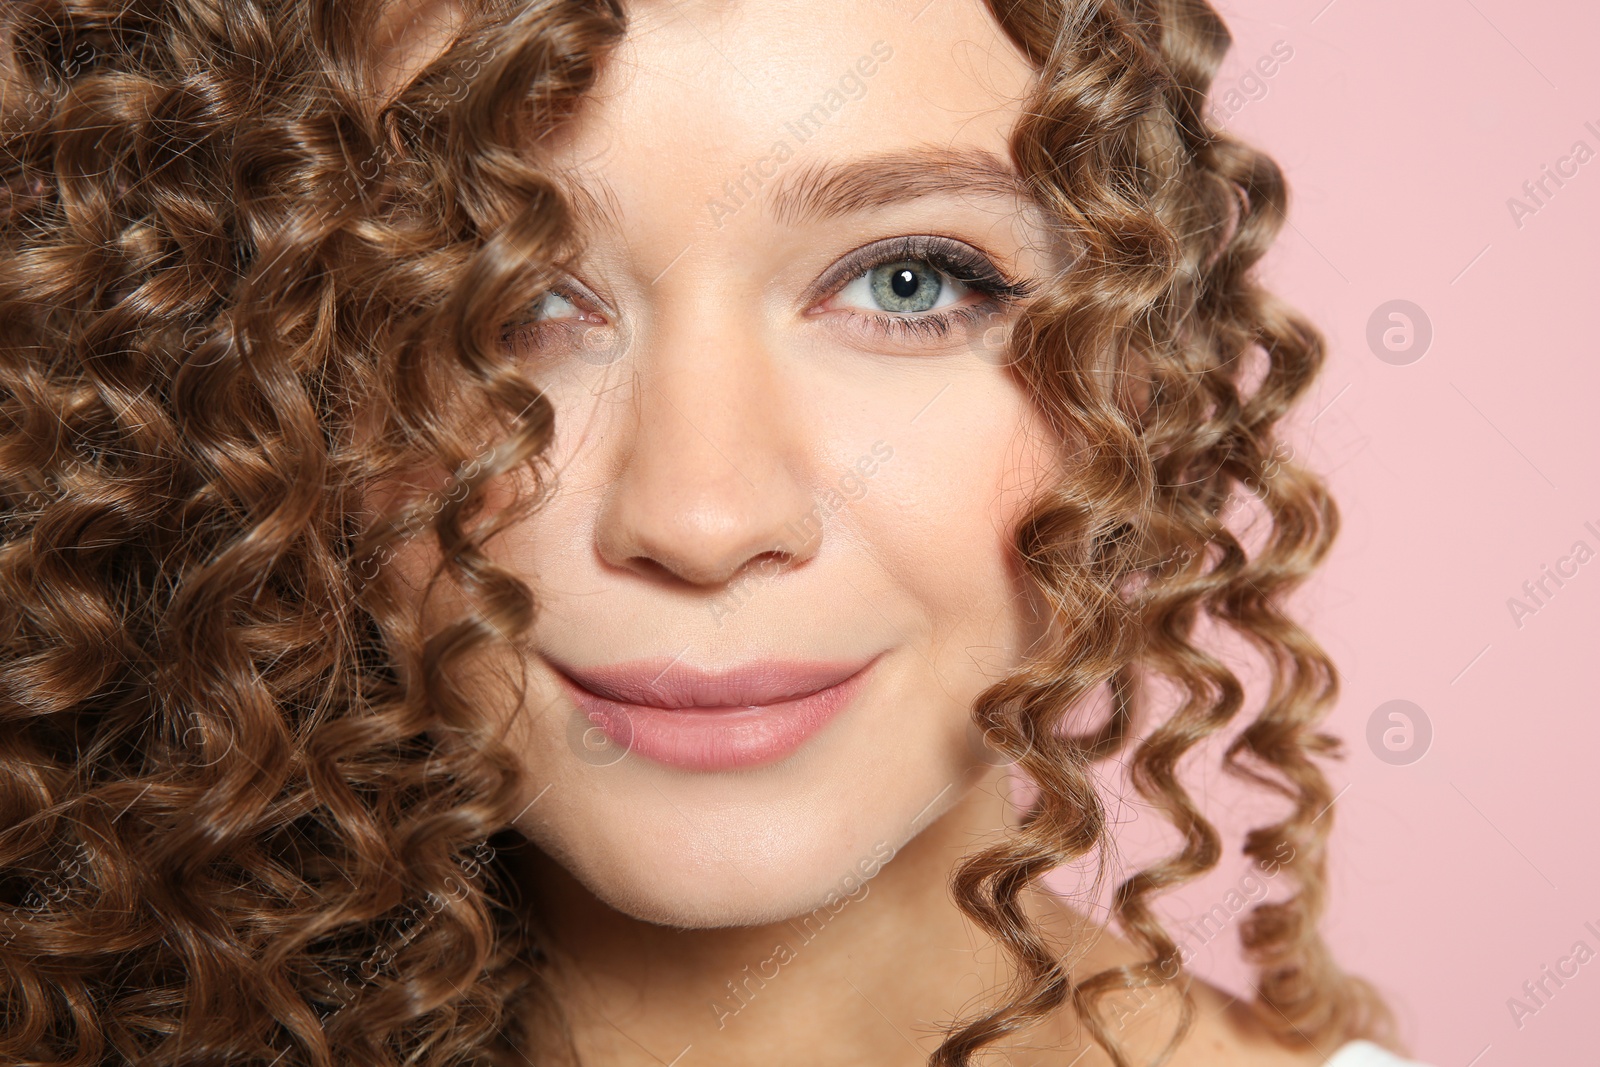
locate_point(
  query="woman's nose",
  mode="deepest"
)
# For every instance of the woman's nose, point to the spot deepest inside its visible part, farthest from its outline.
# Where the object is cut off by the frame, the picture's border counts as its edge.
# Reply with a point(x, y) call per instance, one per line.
point(713, 479)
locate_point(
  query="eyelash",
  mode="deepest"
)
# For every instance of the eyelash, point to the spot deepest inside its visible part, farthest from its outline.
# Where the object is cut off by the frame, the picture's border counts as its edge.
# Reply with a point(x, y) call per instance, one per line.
point(527, 332)
point(951, 258)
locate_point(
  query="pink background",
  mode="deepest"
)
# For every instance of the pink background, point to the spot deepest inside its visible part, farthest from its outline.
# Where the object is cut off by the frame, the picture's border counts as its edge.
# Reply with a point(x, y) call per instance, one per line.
point(1404, 129)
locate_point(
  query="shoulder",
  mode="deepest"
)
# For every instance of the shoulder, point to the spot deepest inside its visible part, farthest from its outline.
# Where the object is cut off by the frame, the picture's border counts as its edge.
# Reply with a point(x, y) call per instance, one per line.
point(1228, 1030)
point(1225, 1030)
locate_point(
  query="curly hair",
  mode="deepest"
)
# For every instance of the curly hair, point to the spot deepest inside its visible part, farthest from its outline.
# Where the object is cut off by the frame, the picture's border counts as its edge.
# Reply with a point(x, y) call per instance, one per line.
point(245, 283)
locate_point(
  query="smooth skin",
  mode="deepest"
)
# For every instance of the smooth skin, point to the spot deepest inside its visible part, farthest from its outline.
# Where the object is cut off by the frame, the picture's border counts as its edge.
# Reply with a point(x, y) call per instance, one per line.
point(710, 393)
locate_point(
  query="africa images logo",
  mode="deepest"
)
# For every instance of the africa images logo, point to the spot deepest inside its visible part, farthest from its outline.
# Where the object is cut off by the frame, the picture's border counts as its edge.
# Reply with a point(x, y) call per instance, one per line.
point(1553, 177)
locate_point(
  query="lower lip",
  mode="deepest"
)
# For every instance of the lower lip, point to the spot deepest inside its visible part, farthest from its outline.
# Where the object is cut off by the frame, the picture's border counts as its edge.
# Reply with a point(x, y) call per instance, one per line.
point(716, 739)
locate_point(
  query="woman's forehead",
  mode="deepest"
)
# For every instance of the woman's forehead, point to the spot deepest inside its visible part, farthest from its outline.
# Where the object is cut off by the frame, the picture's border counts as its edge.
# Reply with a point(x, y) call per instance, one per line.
point(696, 92)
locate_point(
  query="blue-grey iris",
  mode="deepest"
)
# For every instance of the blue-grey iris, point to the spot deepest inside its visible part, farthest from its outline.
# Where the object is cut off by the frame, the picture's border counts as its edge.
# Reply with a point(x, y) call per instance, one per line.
point(906, 286)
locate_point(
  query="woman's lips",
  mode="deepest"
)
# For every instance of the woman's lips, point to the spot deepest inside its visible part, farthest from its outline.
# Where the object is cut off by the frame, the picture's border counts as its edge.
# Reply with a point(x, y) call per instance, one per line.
point(701, 720)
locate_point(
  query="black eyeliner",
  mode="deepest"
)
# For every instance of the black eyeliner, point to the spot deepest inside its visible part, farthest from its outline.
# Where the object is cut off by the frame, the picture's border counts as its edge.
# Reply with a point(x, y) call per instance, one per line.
point(957, 259)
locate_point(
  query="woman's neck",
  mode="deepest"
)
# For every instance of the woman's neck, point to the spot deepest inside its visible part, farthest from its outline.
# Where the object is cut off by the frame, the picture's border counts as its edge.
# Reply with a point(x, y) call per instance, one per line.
point(868, 976)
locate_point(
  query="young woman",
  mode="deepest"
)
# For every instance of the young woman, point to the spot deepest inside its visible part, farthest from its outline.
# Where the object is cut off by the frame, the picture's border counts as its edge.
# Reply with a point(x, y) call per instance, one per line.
point(555, 533)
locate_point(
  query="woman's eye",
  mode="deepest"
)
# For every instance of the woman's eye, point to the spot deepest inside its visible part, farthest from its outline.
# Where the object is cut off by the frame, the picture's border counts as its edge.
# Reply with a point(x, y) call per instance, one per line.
point(904, 287)
point(920, 291)
point(551, 317)
point(554, 306)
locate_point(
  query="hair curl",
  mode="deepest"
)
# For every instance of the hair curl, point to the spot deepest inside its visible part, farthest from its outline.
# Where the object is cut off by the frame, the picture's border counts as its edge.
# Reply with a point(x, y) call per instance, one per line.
point(243, 285)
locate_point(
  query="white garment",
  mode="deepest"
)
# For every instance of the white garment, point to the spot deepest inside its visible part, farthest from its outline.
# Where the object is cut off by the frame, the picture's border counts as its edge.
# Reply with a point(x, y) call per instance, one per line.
point(1366, 1054)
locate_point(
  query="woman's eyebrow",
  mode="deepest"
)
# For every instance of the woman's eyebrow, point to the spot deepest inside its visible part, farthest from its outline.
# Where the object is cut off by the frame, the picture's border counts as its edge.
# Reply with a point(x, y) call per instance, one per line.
point(826, 190)
point(822, 189)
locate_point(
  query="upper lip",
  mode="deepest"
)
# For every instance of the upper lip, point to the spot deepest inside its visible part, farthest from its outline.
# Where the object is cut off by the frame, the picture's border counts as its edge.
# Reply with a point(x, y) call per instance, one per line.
point(669, 684)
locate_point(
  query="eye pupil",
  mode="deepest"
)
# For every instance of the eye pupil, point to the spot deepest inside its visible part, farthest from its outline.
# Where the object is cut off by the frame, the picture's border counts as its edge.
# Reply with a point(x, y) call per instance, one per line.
point(907, 286)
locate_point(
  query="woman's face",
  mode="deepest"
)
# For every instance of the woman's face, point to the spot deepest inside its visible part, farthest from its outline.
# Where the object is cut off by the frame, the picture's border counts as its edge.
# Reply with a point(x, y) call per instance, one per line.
point(774, 571)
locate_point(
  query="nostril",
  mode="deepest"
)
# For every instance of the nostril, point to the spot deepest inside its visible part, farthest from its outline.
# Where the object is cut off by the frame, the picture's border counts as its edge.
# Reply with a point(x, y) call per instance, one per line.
point(757, 570)
point(653, 568)
point(769, 560)
point(762, 565)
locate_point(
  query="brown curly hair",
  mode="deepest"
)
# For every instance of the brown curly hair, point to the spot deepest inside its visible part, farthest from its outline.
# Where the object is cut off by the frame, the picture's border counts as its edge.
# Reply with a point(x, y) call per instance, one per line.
point(249, 815)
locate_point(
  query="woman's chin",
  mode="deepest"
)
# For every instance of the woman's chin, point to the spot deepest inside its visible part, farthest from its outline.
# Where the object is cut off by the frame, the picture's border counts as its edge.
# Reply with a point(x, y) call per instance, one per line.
point(672, 898)
point(701, 885)
point(691, 911)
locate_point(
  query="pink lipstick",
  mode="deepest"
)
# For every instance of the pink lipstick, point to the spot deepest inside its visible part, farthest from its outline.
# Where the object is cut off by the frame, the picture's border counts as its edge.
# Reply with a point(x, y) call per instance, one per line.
point(702, 720)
